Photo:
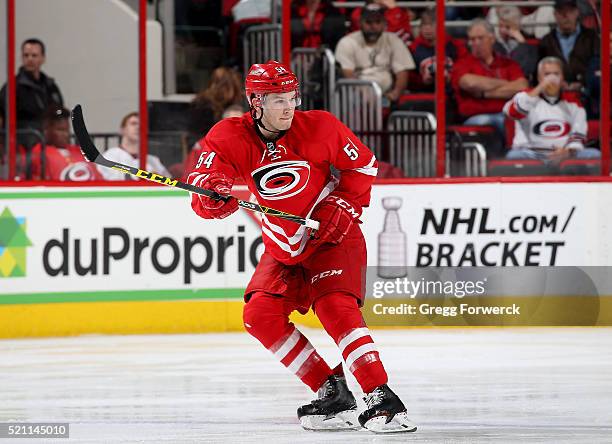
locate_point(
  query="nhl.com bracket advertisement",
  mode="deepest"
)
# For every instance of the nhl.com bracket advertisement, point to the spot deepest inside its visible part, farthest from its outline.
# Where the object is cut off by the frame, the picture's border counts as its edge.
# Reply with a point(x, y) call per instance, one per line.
point(488, 254)
point(448, 254)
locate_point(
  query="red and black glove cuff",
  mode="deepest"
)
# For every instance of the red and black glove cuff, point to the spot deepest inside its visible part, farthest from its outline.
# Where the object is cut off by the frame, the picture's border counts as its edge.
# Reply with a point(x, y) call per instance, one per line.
point(336, 215)
point(207, 207)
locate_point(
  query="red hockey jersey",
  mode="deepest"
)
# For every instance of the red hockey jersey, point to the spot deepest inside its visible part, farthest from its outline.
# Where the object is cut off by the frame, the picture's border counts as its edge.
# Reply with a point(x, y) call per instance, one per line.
point(66, 164)
point(294, 173)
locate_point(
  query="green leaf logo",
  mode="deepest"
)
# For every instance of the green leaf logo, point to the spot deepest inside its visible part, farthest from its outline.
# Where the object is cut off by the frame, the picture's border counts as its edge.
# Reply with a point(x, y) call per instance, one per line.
point(13, 243)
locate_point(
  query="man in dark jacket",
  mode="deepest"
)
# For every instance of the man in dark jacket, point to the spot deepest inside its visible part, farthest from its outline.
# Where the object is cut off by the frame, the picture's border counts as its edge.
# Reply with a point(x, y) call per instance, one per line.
point(36, 91)
point(570, 42)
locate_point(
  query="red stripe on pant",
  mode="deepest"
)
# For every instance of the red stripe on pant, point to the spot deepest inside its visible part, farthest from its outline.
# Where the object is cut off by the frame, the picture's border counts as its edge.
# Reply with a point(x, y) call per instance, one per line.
point(340, 315)
point(266, 317)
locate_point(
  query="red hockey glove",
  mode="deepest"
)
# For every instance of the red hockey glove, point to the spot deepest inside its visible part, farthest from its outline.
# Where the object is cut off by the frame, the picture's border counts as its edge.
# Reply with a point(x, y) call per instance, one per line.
point(336, 216)
point(207, 207)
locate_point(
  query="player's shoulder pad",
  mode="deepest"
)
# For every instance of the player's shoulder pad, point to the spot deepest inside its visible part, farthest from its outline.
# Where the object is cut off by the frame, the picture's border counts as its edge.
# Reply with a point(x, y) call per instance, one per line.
point(231, 128)
point(322, 122)
point(316, 124)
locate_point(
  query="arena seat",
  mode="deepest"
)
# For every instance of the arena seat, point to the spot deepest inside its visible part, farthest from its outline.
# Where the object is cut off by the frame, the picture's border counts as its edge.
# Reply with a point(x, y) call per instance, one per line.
point(520, 168)
point(580, 167)
point(471, 130)
point(424, 102)
point(414, 97)
point(485, 135)
point(237, 28)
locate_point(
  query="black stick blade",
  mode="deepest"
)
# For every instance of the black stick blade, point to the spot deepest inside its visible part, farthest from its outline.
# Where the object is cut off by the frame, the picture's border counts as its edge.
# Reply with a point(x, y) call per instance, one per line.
point(89, 150)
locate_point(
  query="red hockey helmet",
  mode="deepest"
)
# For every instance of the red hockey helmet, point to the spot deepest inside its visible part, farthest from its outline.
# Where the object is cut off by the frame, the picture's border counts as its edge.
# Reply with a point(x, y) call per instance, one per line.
point(270, 77)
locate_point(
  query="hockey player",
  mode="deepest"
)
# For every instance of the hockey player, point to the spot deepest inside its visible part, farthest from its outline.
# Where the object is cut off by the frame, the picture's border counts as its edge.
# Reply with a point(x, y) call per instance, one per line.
point(285, 158)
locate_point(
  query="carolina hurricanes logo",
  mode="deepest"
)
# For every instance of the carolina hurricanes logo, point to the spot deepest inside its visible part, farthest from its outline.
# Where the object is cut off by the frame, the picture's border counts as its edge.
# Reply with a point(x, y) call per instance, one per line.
point(552, 128)
point(76, 172)
point(281, 179)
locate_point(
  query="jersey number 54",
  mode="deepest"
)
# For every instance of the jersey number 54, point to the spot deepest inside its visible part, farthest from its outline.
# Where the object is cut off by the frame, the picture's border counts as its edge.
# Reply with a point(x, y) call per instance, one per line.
point(208, 161)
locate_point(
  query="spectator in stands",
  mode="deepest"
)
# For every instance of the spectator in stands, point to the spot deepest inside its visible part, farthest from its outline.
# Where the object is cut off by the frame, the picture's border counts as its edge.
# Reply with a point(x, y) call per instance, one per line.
point(36, 91)
point(224, 89)
point(423, 50)
point(535, 22)
point(315, 23)
point(398, 19)
point(374, 54)
point(484, 80)
point(128, 151)
point(62, 160)
point(570, 42)
point(593, 85)
point(512, 43)
point(549, 125)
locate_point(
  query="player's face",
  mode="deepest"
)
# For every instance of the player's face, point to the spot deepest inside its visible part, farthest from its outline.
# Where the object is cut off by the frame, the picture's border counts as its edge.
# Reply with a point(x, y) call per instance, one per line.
point(58, 133)
point(32, 57)
point(278, 109)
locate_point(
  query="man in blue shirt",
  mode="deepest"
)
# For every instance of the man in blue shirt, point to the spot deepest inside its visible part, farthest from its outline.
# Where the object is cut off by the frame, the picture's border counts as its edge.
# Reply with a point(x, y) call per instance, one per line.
point(570, 42)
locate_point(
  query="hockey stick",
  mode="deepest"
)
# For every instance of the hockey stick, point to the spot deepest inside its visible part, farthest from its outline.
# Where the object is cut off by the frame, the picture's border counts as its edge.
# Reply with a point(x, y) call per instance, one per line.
point(92, 154)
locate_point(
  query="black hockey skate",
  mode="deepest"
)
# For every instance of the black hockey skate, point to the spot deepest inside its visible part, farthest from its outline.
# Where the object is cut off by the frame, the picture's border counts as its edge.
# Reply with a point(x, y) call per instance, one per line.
point(334, 409)
point(385, 413)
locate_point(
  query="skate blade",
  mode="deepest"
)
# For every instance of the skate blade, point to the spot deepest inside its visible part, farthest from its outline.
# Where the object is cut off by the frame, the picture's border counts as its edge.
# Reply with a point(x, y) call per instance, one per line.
point(399, 424)
point(346, 420)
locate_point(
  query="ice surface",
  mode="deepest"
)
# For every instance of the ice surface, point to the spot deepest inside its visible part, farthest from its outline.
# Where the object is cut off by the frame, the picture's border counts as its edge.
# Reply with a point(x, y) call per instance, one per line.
point(460, 385)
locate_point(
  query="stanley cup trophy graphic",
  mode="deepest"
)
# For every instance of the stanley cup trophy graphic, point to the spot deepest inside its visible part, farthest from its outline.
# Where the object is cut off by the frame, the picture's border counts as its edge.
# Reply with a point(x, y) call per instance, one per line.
point(392, 242)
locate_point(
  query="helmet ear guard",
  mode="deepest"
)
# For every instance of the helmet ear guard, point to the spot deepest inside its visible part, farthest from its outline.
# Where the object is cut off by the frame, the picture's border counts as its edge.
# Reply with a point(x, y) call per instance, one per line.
point(255, 100)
